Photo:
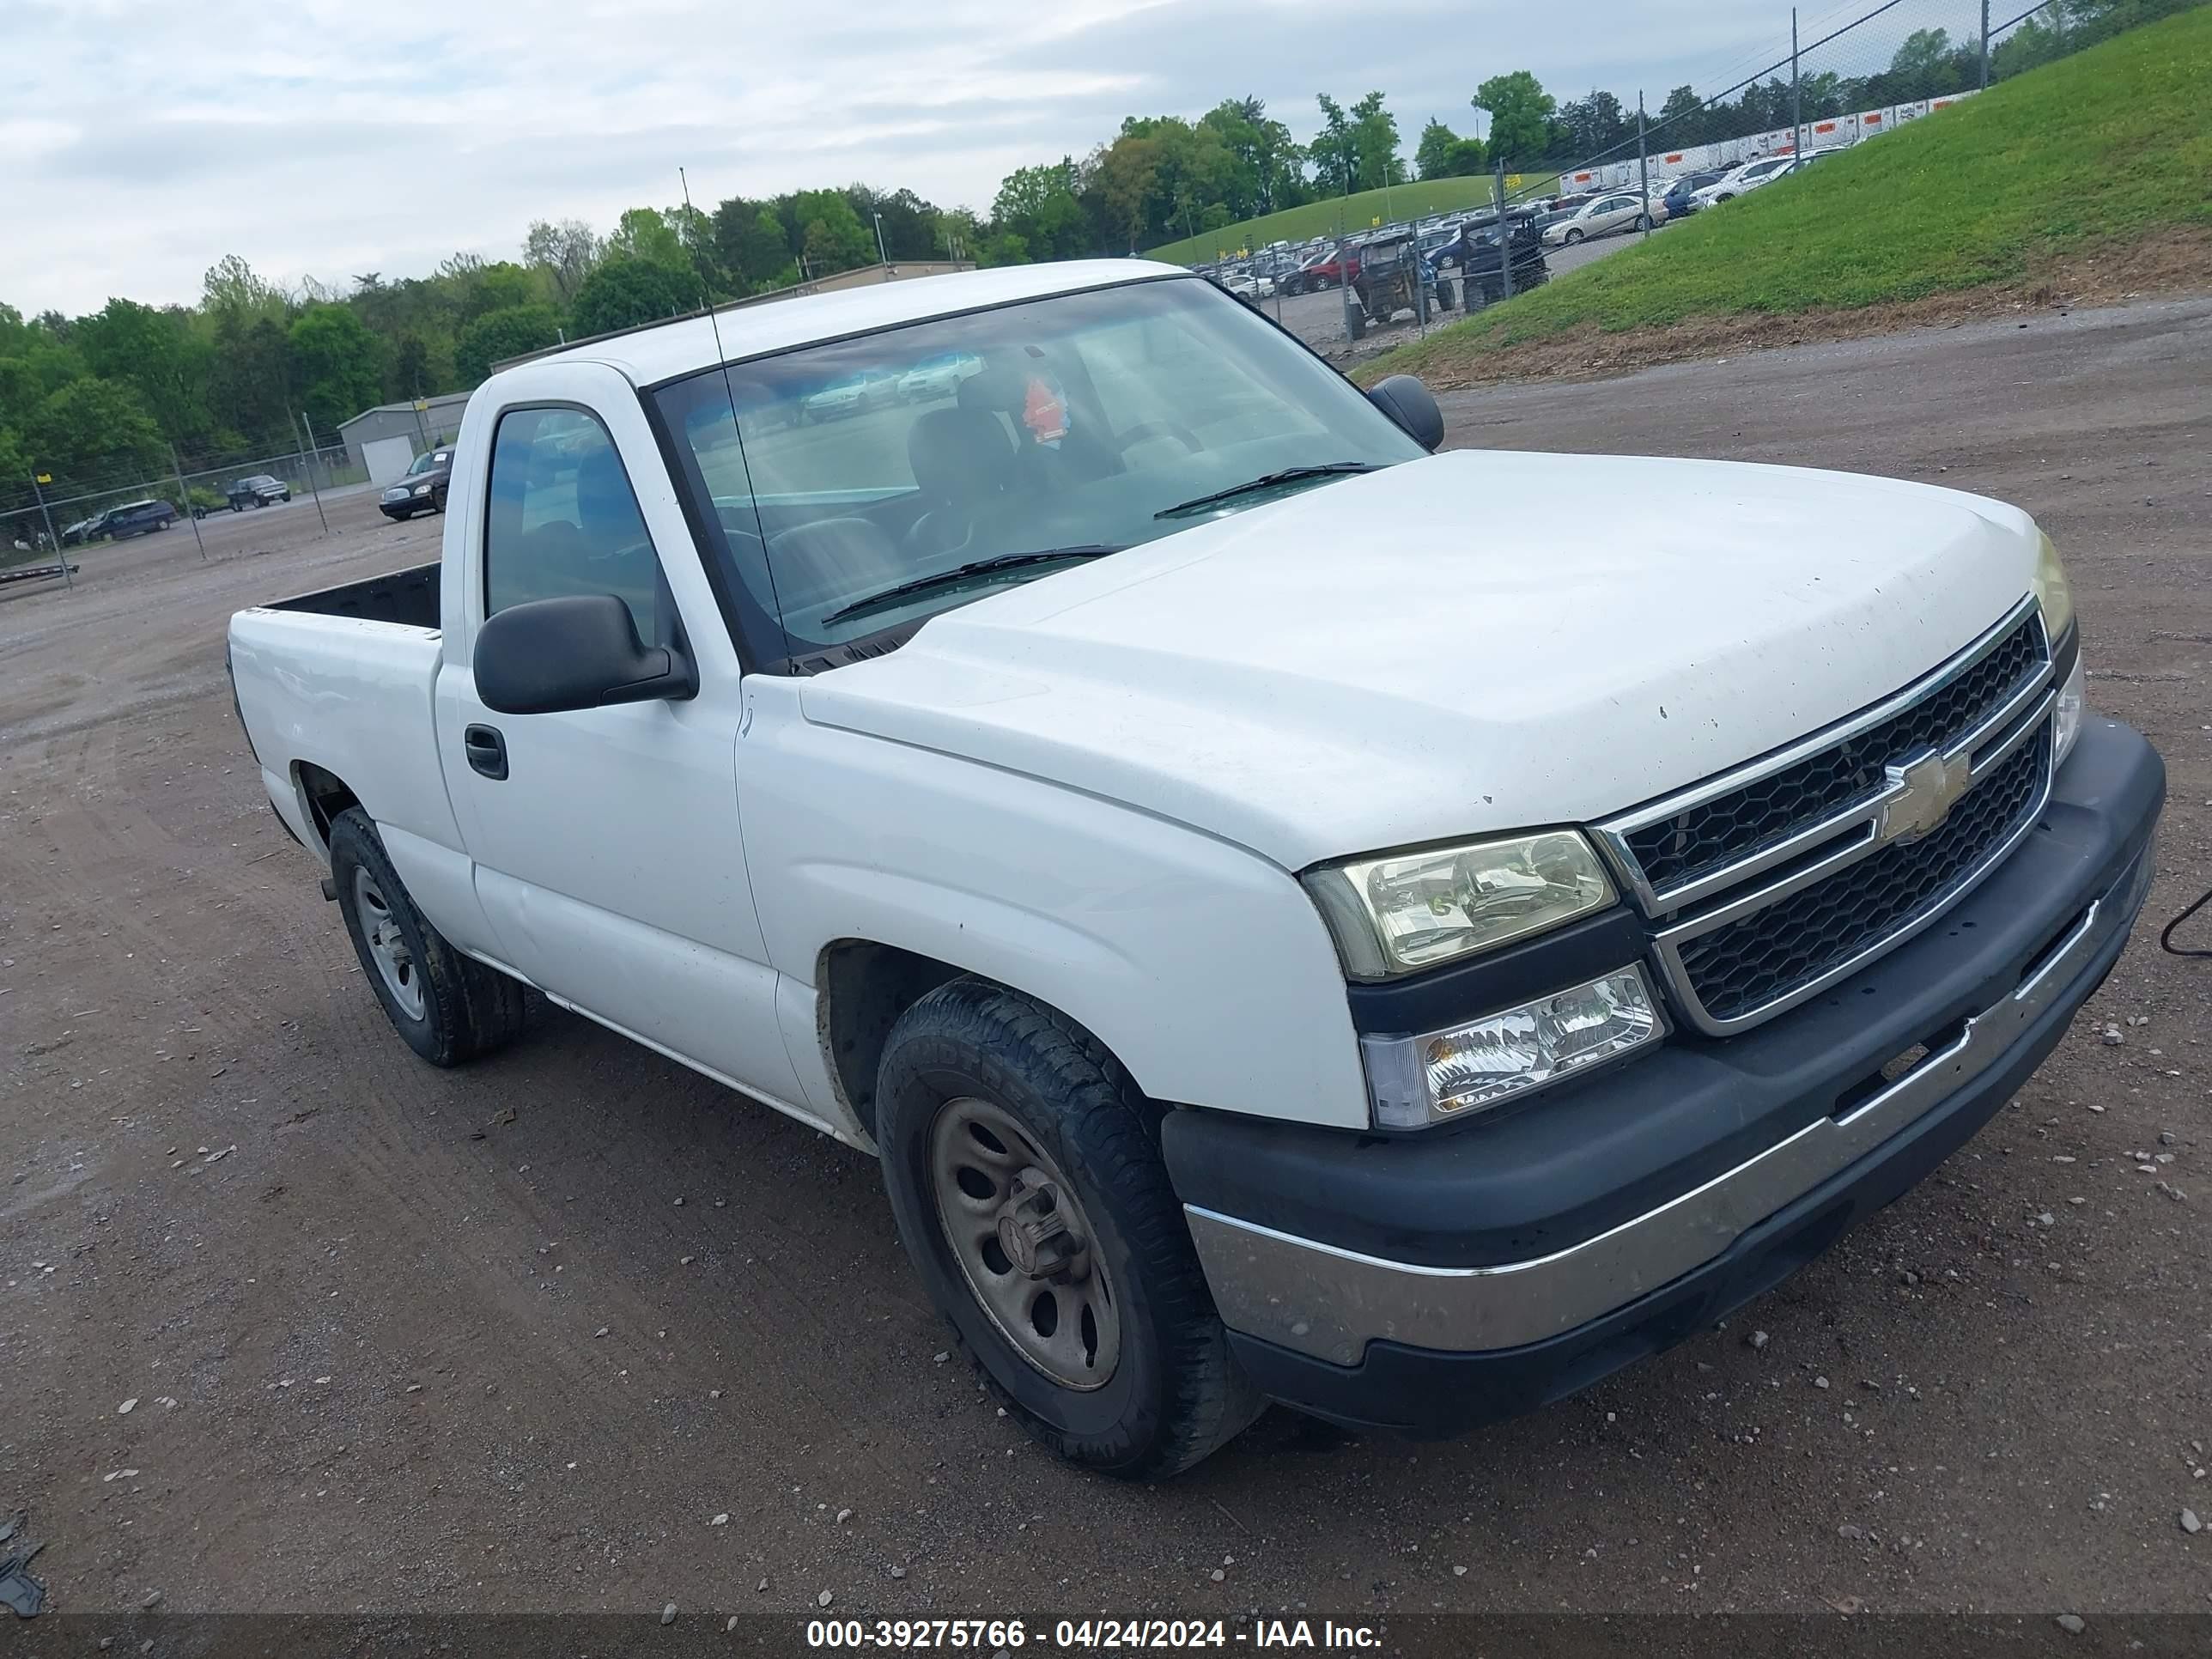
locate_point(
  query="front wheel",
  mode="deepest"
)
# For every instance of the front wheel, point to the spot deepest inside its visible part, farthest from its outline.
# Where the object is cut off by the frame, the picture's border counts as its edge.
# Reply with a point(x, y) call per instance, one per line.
point(1025, 1174)
point(449, 1008)
point(1572, 237)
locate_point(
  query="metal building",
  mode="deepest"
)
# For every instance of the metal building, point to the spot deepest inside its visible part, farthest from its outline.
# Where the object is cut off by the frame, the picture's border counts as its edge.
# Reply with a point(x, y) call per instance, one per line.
point(384, 440)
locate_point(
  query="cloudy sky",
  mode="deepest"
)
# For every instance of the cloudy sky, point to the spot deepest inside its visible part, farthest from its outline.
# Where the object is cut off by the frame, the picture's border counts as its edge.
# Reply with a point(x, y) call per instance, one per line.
point(141, 141)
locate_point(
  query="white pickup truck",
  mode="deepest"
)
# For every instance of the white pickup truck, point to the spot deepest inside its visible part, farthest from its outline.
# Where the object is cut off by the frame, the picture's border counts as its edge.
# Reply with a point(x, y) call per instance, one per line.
point(1277, 949)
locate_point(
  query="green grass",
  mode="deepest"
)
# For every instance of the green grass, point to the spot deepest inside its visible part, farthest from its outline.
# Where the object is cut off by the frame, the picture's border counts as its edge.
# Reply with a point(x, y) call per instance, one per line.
point(2105, 148)
point(1351, 214)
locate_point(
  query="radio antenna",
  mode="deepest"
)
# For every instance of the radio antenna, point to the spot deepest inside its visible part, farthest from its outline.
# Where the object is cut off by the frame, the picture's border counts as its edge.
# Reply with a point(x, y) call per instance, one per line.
point(737, 428)
point(706, 288)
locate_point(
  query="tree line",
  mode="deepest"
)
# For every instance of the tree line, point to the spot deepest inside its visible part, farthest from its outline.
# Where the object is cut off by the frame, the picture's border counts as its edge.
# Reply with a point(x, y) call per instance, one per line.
point(101, 399)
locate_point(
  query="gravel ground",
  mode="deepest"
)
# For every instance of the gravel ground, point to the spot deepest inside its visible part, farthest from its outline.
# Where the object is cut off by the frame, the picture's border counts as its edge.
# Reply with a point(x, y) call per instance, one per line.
point(290, 1322)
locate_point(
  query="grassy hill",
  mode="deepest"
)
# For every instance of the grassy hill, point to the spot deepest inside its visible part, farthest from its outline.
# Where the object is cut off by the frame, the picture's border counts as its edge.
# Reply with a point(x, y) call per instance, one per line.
point(2108, 149)
point(1350, 213)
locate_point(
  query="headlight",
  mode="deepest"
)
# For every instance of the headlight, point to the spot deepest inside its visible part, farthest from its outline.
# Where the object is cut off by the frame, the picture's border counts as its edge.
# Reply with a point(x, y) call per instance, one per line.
point(2052, 591)
point(2066, 718)
point(422, 489)
point(1415, 1081)
point(1404, 912)
point(396, 493)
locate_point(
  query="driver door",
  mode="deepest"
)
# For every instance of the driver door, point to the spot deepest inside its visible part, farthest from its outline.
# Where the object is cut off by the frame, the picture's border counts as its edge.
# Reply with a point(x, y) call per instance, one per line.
point(605, 840)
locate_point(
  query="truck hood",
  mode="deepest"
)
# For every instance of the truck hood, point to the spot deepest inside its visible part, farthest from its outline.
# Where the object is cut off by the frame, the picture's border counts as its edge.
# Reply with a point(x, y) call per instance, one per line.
point(1470, 642)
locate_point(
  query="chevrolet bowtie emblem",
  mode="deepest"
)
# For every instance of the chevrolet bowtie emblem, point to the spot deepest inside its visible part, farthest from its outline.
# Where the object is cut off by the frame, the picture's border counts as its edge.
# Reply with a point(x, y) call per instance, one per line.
point(1921, 794)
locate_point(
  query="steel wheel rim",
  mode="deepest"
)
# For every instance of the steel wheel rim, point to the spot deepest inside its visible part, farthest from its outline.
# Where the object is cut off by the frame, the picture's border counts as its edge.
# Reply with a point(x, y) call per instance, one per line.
point(387, 946)
point(1025, 1245)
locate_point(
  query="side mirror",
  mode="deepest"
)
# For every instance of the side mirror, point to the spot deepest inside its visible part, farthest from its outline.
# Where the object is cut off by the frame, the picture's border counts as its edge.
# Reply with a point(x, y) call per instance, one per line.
point(580, 652)
point(1413, 406)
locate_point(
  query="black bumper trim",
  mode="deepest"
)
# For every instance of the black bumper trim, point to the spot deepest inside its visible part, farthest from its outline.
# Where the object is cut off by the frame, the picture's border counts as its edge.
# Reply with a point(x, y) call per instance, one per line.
point(1425, 1393)
point(1584, 1157)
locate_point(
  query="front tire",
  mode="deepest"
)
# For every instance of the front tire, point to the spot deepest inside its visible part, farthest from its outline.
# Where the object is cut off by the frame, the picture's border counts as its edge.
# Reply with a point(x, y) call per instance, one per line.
point(1024, 1175)
point(448, 1008)
point(1571, 237)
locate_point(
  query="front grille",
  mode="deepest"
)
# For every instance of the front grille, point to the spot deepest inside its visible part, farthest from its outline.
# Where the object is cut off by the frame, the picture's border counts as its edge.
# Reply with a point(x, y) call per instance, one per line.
point(1745, 822)
point(1742, 966)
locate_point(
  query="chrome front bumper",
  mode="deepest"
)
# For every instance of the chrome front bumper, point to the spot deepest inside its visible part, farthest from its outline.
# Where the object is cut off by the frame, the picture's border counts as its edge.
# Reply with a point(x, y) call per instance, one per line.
point(1329, 1302)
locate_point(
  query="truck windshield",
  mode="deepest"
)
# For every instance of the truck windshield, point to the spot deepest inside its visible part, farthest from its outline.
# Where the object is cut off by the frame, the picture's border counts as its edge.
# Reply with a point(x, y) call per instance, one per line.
point(1070, 423)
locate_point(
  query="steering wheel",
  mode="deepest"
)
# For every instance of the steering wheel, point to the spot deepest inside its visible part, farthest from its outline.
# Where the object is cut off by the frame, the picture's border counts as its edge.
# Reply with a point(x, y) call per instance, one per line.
point(1182, 433)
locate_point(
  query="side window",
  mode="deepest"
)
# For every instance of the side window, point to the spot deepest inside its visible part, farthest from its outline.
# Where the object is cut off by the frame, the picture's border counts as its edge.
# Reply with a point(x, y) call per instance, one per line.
point(563, 519)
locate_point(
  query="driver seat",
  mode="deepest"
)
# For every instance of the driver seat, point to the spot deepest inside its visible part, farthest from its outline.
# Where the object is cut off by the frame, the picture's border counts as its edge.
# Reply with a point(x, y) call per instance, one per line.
point(962, 460)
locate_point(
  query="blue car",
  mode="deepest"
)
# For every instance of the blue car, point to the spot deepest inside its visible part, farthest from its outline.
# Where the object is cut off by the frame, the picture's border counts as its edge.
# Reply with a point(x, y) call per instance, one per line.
point(1678, 194)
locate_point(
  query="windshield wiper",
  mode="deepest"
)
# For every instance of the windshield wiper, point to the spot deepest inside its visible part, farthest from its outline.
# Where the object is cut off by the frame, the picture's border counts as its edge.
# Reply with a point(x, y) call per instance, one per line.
point(961, 573)
point(1265, 481)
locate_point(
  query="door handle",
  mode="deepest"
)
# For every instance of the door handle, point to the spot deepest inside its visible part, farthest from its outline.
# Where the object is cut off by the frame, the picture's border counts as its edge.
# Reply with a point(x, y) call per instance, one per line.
point(486, 749)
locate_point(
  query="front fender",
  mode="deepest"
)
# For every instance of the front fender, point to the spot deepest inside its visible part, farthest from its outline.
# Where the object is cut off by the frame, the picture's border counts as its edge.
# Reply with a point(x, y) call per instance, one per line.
point(1203, 967)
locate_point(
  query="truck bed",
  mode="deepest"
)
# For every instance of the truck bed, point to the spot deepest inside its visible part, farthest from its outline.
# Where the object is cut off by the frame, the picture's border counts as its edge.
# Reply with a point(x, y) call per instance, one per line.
point(408, 597)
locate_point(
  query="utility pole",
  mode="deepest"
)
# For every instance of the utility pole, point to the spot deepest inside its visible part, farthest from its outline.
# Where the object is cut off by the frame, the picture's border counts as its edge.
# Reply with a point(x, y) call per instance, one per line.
point(47, 514)
point(1985, 46)
point(1796, 113)
point(880, 252)
point(184, 501)
point(308, 460)
point(1643, 166)
point(1504, 237)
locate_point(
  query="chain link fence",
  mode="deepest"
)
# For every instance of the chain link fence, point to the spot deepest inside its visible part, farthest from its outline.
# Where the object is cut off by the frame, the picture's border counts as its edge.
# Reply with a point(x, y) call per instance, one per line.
point(42, 517)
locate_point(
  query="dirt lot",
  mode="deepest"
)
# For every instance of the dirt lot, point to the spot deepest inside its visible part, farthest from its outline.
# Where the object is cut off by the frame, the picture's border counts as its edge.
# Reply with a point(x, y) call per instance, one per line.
point(514, 1338)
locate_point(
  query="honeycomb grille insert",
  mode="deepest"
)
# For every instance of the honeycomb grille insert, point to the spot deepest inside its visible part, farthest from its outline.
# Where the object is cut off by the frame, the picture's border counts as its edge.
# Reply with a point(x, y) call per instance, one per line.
point(1747, 821)
point(1739, 968)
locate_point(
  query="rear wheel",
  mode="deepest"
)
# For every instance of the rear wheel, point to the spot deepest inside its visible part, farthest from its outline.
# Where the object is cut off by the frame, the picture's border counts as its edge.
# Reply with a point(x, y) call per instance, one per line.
point(449, 1008)
point(1024, 1170)
point(1644, 221)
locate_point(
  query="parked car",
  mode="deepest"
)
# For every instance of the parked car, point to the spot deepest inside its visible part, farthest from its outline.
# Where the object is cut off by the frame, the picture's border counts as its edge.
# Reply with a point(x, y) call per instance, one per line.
point(1603, 216)
point(939, 376)
point(83, 530)
point(1249, 286)
point(1473, 261)
point(1679, 200)
point(1739, 180)
point(1326, 270)
point(421, 488)
point(850, 394)
point(1244, 1000)
point(259, 491)
point(135, 519)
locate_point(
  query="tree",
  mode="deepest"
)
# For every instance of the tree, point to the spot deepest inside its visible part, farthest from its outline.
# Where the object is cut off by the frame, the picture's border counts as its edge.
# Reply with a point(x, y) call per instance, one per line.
point(95, 432)
point(337, 364)
point(1918, 69)
point(750, 245)
point(498, 335)
point(1038, 205)
point(231, 285)
point(1433, 156)
point(643, 232)
point(1335, 153)
point(565, 252)
point(1519, 116)
point(412, 376)
point(1681, 119)
point(625, 292)
point(161, 353)
point(1373, 137)
point(1594, 125)
point(830, 234)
